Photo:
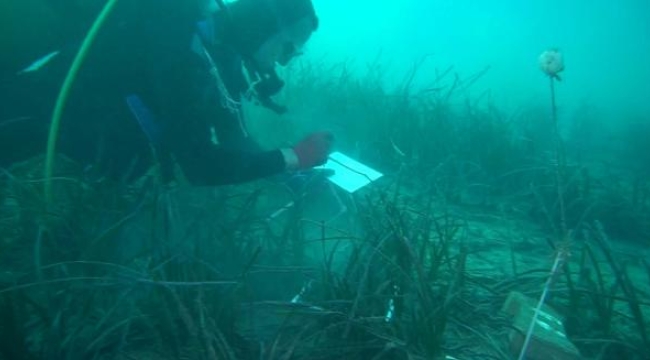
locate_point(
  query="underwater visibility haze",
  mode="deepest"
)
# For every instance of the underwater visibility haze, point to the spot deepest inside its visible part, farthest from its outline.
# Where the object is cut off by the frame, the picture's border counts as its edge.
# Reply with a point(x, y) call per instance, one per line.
point(276, 179)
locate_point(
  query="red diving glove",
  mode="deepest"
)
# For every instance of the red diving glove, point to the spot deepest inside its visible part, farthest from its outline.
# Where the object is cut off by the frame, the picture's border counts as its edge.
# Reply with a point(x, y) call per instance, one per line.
point(312, 151)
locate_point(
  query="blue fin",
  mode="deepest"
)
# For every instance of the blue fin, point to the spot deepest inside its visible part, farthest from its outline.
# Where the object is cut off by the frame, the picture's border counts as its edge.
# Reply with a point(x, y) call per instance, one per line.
point(145, 119)
point(205, 30)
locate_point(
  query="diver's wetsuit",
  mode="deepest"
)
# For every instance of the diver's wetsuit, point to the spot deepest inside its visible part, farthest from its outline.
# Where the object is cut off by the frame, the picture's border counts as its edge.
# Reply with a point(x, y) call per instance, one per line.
point(146, 50)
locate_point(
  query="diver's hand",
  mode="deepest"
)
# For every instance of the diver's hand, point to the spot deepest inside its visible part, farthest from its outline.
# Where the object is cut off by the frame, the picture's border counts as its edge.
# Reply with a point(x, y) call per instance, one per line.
point(312, 151)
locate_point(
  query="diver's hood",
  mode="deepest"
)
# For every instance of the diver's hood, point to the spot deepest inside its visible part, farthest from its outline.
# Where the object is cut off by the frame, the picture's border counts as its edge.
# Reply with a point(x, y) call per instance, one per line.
point(246, 25)
point(249, 24)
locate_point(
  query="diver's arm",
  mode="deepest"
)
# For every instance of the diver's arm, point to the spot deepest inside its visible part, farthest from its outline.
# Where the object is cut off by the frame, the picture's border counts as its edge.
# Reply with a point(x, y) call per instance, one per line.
point(189, 136)
point(212, 165)
point(189, 114)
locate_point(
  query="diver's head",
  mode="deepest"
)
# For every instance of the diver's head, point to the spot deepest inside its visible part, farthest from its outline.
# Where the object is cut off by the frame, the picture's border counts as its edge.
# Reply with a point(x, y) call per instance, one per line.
point(270, 32)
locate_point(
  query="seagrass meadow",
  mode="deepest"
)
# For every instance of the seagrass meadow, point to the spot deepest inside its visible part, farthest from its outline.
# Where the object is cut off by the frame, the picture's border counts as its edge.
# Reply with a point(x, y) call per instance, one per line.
point(417, 265)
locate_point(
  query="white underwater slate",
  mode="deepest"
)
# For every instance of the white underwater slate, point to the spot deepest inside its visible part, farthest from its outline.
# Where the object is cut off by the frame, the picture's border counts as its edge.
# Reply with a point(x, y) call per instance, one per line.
point(349, 174)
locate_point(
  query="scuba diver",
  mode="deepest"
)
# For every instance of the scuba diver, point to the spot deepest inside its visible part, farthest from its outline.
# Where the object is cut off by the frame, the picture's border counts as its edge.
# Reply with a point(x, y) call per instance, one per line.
point(164, 83)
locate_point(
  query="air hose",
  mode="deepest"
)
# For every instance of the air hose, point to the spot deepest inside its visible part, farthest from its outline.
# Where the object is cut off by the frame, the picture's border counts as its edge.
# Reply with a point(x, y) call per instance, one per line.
point(64, 94)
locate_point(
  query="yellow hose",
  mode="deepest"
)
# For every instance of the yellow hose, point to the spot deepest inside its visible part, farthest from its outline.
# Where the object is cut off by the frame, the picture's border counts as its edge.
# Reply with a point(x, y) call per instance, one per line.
point(65, 92)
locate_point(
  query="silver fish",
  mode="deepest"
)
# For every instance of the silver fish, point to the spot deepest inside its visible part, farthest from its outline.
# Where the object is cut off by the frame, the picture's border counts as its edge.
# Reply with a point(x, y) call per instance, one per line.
point(38, 64)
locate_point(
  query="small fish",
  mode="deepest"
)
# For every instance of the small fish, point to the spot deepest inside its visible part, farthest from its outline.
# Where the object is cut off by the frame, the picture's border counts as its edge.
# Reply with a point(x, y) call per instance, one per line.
point(38, 64)
point(4, 123)
point(397, 149)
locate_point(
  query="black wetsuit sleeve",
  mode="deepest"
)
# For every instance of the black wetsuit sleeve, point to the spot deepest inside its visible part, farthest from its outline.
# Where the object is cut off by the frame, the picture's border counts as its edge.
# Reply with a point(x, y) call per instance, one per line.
point(185, 100)
point(208, 164)
point(205, 163)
